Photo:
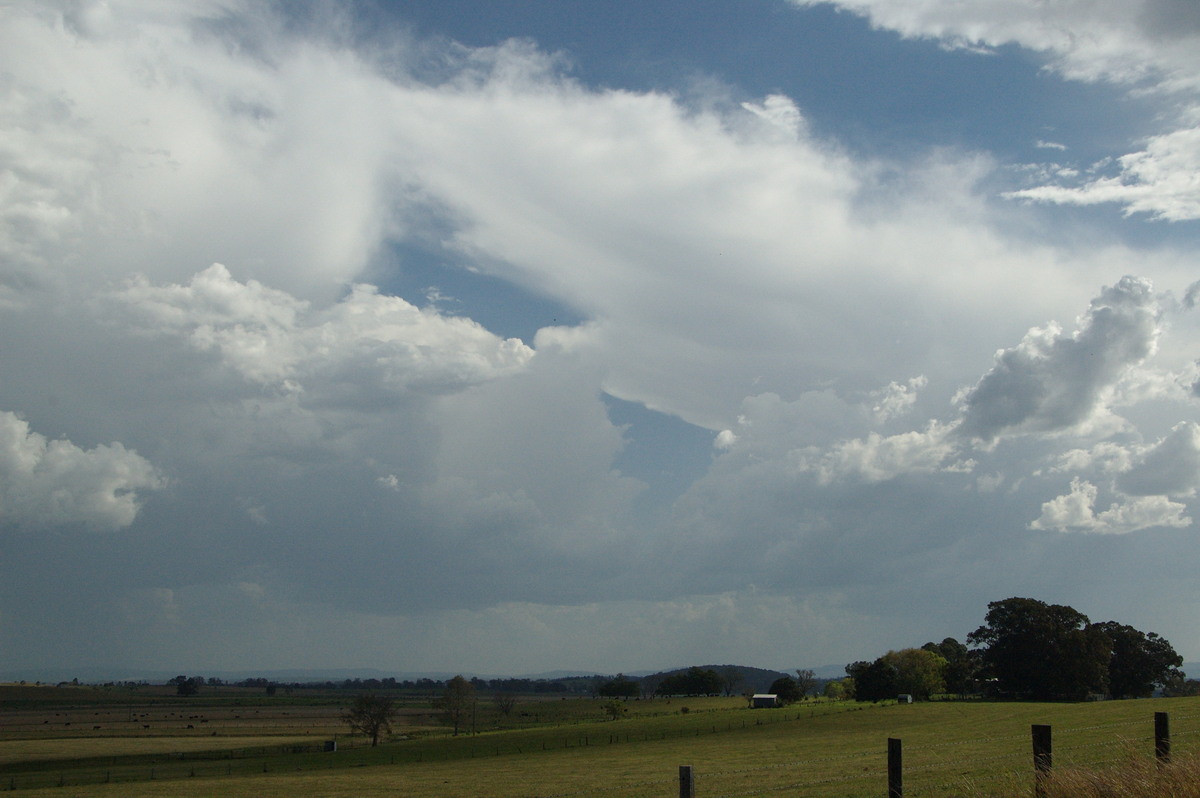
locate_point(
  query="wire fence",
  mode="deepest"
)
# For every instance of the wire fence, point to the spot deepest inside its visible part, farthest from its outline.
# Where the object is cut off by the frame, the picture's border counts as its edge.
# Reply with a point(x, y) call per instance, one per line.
point(960, 766)
point(933, 769)
point(167, 766)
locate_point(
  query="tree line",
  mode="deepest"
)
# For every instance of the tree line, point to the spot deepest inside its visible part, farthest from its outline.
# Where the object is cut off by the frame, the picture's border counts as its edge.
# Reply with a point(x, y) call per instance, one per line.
point(572, 685)
point(371, 714)
point(1027, 649)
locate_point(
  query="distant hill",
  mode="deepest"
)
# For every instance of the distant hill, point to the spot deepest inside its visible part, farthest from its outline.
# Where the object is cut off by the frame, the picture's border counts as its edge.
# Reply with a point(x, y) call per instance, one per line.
point(829, 672)
point(743, 677)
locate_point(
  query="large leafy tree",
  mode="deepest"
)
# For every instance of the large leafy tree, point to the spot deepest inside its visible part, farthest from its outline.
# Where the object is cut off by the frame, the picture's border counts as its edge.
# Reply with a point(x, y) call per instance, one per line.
point(372, 715)
point(1139, 662)
point(961, 665)
point(874, 681)
point(919, 673)
point(1042, 651)
point(786, 689)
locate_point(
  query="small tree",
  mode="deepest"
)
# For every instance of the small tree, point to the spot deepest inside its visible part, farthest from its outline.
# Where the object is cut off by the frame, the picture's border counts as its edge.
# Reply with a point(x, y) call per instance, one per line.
point(372, 715)
point(615, 708)
point(731, 677)
point(806, 682)
point(457, 701)
point(836, 689)
point(504, 703)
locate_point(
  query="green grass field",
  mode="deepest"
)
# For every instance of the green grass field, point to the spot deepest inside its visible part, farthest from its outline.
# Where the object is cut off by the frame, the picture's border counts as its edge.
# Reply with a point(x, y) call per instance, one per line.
point(567, 748)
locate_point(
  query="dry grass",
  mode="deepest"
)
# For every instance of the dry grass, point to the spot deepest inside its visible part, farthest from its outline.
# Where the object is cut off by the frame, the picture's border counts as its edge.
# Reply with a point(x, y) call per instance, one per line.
point(1134, 777)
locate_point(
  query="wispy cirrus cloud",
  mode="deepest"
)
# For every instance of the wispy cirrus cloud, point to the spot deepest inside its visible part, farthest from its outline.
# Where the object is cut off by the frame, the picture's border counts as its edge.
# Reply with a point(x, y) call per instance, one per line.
point(1148, 47)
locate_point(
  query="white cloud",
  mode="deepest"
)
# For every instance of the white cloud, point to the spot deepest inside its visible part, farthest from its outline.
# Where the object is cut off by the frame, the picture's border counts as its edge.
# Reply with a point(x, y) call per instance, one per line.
point(779, 111)
point(897, 399)
point(1159, 180)
point(1074, 512)
point(134, 131)
point(1055, 381)
point(877, 458)
point(1105, 457)
point(46, 483)
point(1120, 40)
point(365, 339)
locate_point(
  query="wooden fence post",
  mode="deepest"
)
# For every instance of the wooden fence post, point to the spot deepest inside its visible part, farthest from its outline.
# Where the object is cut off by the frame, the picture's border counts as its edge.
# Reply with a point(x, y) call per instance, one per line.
point(895, 768)
point(1162, 738)
point(687, 785)
point(1043, 757)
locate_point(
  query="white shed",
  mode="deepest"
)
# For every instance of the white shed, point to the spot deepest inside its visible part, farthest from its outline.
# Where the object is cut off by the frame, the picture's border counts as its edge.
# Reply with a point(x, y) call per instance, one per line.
point(764, 700)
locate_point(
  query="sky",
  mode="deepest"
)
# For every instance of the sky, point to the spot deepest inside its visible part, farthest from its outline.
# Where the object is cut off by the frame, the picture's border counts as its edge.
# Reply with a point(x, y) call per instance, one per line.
point(515, 336)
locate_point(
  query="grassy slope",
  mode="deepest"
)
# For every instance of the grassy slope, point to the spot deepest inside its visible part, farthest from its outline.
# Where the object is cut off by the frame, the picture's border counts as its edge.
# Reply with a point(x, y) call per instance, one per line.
point(950, 748)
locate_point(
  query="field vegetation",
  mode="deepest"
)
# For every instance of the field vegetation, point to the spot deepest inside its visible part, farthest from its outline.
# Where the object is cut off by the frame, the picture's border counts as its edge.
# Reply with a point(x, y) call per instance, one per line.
point(237, 742)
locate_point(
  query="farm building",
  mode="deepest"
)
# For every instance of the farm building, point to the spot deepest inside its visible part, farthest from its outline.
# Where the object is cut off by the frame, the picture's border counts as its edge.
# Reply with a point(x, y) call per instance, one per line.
point(764, 700)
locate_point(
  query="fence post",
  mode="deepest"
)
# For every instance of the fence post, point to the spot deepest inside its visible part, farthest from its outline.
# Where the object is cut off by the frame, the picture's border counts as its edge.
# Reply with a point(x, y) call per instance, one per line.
point(1043, 757)
point(895, 768)
point(687, 785)
point(1162, 738)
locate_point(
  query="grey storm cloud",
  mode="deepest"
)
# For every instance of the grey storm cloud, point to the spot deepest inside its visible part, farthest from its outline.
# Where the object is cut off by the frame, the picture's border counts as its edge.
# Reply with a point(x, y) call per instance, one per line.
point(1053, 380)
point(1171, 467)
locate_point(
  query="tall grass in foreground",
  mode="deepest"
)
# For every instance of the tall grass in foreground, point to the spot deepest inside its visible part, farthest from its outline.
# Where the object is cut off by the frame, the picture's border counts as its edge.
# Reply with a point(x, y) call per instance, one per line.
point(1133, 776)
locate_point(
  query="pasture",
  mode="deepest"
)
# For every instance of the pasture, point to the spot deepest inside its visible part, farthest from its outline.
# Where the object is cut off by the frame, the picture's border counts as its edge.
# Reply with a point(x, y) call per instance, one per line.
point(253, 746)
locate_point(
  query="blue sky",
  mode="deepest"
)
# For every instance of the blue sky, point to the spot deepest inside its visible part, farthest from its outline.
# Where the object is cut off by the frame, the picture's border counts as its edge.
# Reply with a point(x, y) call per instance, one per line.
point(505, 337)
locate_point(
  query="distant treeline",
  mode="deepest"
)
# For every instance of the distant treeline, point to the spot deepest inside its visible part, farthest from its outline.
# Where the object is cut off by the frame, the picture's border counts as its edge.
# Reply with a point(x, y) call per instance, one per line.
point(580, 685)
point(728, 679)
